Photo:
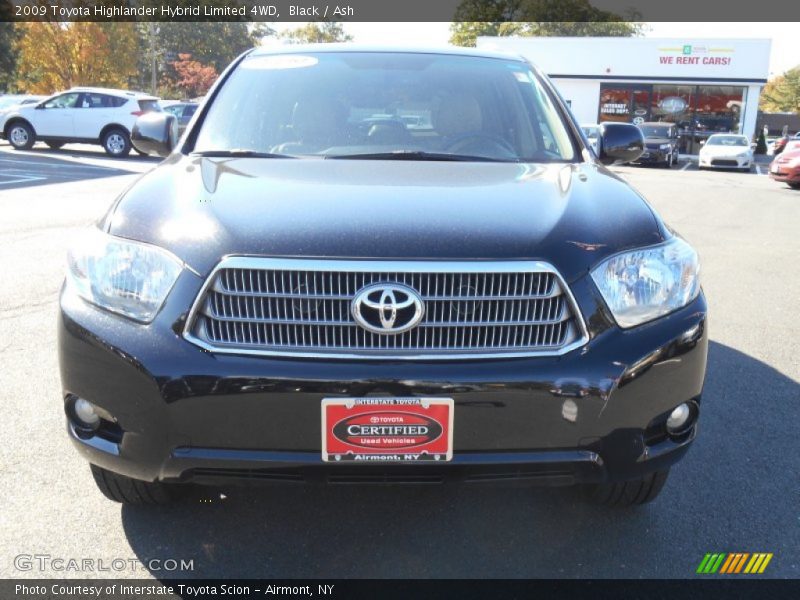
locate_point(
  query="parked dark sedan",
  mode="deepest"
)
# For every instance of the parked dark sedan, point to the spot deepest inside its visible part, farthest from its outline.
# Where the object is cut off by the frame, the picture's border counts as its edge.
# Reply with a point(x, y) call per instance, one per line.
point(295, 296)
point(183, 111)
point(661, 144)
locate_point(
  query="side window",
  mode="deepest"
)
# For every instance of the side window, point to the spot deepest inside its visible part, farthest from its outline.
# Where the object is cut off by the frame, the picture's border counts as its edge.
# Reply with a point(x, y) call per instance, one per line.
point(548, 140)
point(115, 101)
point(190, 110)
point(175, 109)
point(69, 100)
point(91, 100)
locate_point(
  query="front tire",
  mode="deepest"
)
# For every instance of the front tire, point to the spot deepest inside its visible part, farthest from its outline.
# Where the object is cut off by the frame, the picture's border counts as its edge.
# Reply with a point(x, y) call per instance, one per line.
point(628, 493)
point(132, 491)
point(21, 136)
point(117, 143)
point(794, 186)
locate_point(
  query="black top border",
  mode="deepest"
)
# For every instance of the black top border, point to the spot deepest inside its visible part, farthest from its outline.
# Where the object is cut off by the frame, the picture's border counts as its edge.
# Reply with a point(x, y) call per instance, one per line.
point(710, 11)
point(707, 588)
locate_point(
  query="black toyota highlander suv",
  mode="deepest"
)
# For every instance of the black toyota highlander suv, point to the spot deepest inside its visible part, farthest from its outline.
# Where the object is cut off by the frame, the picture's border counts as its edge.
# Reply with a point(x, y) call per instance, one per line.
point(363, 265)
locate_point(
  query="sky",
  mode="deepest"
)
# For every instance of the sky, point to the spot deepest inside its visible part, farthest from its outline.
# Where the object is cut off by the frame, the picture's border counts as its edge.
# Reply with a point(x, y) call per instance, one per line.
point(785, 39)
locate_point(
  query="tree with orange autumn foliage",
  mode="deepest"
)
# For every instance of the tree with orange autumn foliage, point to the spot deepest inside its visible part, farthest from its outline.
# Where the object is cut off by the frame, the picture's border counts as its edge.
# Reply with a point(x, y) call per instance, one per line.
point(57, 56)
point(192, 77)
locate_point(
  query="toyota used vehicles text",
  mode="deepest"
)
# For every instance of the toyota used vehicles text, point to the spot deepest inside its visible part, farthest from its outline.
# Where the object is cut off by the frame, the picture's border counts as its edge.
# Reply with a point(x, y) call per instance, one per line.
point(377, 266)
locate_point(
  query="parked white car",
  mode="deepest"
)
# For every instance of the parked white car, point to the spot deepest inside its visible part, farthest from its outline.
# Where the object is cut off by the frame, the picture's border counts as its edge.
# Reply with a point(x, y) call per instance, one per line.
point(726, 151)
point(83, 115)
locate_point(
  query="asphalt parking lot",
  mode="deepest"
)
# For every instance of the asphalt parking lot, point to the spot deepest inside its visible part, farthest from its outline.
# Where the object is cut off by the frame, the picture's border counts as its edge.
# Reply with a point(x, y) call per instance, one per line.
point(736, 491)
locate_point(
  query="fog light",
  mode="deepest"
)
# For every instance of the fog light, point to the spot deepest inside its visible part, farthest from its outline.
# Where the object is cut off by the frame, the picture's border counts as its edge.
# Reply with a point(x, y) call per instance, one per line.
point(678, 418)
point(85, 413)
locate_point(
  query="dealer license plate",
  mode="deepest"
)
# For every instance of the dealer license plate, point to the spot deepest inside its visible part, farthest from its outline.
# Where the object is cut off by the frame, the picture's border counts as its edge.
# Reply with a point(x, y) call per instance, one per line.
point(776, 169)
point(369, 430)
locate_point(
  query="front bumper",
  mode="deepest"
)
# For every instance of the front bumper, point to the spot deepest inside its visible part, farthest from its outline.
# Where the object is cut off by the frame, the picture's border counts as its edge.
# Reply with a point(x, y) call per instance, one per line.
point(729, 162)
point(785, 174)
point(184, 414)
point(652, 157)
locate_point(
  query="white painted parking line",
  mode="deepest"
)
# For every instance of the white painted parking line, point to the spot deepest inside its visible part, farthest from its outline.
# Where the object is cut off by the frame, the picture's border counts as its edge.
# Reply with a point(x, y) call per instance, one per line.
point(21, 179)
point(685, 166)
point(758, 170)
point(51, 165)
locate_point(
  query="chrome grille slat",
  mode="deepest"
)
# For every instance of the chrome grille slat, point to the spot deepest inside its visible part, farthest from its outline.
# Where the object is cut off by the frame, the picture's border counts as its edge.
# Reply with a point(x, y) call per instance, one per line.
point(299, 307)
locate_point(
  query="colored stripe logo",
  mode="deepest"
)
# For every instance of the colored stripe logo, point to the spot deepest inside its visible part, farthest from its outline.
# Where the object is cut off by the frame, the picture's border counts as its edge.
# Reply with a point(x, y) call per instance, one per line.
point(731, 563)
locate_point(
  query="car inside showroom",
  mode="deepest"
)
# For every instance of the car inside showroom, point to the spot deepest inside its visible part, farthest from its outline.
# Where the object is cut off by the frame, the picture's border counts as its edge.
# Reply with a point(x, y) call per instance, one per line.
point(704, 86)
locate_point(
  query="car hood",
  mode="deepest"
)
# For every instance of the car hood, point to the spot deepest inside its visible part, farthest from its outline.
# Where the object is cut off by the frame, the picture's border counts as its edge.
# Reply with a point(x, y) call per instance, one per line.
point(787, 156)
point(17, 110)
point(202, 209)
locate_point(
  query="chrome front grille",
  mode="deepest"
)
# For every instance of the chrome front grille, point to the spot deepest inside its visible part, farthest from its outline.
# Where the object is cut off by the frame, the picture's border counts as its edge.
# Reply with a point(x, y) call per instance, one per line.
point(302, 307)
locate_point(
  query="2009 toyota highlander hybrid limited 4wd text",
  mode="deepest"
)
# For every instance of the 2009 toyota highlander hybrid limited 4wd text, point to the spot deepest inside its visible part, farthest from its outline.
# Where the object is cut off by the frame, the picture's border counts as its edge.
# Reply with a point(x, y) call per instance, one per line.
point(362, 265)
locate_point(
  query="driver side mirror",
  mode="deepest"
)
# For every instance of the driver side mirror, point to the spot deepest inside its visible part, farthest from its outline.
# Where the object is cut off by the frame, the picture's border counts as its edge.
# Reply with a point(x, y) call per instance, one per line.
point(155, 133)
point(620, 143)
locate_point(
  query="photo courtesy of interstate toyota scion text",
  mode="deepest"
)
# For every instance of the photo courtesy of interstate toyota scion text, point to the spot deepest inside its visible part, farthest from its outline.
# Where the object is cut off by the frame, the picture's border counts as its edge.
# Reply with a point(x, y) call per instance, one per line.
point(364, 265)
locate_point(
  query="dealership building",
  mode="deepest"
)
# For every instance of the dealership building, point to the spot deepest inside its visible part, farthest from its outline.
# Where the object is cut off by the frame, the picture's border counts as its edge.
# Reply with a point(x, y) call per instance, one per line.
point(704, 85)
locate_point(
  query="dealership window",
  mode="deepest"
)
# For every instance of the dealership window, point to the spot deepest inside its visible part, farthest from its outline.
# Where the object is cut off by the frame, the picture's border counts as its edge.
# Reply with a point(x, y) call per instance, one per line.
point(698, 110)
point(625, 103)
point(615, 103)
point(719, 108)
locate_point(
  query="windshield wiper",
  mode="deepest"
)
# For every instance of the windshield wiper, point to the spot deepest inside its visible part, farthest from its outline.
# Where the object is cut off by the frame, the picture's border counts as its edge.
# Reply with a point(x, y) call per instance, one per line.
point(418, 155)
point(239, 153)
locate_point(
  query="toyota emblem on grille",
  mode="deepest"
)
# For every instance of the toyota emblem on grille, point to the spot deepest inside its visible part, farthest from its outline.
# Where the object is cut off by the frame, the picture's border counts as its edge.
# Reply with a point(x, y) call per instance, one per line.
point(387, 308)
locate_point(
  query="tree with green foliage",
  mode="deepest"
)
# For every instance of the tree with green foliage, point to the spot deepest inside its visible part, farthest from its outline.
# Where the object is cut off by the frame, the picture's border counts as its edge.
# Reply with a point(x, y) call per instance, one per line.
point(314, 33)
point(542, 18)
point(213, 44)
point(9, 36)
point(782, 94)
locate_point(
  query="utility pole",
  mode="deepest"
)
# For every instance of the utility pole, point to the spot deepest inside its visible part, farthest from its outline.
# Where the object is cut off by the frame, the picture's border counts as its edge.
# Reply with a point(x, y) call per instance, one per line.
point(152, 32)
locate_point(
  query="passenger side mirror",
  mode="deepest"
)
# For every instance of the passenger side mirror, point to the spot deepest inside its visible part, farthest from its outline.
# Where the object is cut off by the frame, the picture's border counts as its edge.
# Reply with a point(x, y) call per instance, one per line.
point(620, 143)
point(155, 133)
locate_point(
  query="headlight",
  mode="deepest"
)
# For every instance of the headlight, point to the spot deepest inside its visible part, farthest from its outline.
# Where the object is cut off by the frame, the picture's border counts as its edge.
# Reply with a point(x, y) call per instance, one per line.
point(123, 276)
point(795, 162)
point(664, 146)
point(743, 155)
point(644, 284)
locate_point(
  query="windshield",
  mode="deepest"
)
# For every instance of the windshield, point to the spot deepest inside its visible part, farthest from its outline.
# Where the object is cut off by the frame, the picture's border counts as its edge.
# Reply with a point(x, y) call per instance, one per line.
point(369, 103)
point(655, 131)
point(727, 140)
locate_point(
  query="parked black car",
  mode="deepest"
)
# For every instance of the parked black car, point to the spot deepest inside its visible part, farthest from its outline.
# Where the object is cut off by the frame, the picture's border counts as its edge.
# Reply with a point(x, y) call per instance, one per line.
point(661, 144)
point(291, 296)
